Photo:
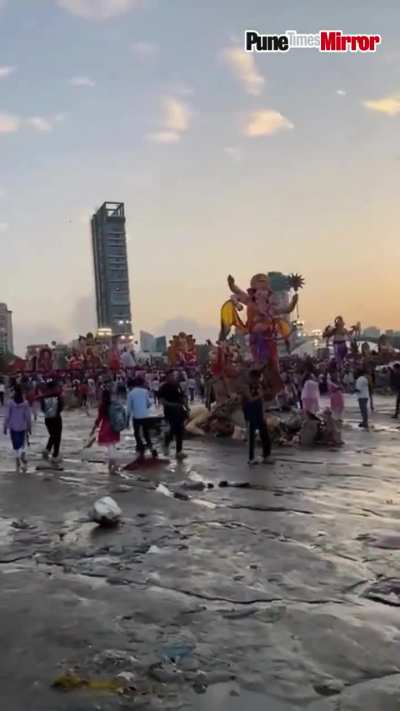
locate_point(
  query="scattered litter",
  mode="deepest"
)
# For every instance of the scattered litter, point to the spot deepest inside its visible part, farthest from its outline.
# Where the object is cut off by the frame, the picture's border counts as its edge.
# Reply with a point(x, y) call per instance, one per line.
point(106, 512)
point(194, 485)
point(166, 673)
point(181, 496)
point(72, 682)
point(176, 652)
point(162, 489)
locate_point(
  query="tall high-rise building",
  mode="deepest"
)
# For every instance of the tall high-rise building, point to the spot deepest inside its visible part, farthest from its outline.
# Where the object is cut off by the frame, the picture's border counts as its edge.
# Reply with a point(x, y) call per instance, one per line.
point(111, 269)
point(6, 330)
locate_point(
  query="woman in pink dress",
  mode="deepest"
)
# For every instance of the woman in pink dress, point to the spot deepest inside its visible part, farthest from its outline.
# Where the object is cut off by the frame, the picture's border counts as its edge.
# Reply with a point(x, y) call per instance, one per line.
point(310, 394)
point(336, 397)
point(107, 437)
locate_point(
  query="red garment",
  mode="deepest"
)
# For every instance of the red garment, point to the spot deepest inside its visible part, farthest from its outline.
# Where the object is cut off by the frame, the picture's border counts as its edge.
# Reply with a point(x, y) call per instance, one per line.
point(106, 433)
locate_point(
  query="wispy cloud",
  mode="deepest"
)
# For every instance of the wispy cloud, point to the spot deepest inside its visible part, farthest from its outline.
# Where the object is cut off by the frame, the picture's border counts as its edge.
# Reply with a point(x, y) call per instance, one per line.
point(233, 153)
point(40, 123)
point(341, 92)
point(4, 226)
point(176, 121)
point(164, 137)
point(82, 81)
point(389, 105)
point(9, 123)
point(44, 124)
point(98, 9)
point(265, 123)
point(6, 71)
point(145, 50)
point(3, 193)
point(243, 66)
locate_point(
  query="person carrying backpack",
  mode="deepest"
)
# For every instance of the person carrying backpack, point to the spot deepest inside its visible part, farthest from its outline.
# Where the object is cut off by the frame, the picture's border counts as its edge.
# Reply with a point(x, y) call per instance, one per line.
point(52, 405)
point(111, 420)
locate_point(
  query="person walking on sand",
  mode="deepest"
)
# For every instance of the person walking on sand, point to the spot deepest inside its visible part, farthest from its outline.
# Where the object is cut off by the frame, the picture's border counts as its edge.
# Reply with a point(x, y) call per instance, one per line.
point(362, 390)
point(107, 436)
point(19, 422)
point(52, 405)
point(139, 405)
point(253, 411)
point(173, 400)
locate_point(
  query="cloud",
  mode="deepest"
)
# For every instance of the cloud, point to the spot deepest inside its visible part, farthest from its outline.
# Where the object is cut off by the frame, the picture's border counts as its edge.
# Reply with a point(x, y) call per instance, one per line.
point(4, 227)
point(6, 71)
point(145, 50)
point(177, 115)
point(265, 123)
point(44, 124)
point(83, 315)
point(3, 193)
point(98, 9)
point(9, 123)
point(389, 105)
point(234, 153)
point(243, 66)
point(82, 82)
point(341, 92)
point(164, 137)
point(176, 121)
point(39, 123)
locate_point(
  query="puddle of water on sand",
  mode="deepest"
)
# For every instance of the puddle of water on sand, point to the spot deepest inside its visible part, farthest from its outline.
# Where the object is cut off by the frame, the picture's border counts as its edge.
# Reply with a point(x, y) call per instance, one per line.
point(218, 698)
point(205, 503)
point(6, 528)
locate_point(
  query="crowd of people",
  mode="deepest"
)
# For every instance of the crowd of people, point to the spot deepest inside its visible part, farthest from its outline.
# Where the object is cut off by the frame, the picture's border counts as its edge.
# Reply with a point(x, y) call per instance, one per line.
point(132, 397)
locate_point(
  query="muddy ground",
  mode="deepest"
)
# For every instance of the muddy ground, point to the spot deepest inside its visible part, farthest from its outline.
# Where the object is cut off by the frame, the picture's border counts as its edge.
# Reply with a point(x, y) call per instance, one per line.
point(283, 595)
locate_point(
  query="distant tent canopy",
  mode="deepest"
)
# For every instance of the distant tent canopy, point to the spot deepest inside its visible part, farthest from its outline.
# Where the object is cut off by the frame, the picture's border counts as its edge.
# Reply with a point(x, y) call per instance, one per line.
point(11, 364)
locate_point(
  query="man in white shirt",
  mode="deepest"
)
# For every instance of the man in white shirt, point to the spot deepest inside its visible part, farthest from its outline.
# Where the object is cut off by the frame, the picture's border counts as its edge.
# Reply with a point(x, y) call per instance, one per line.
point(362, 390)
point(139, 404)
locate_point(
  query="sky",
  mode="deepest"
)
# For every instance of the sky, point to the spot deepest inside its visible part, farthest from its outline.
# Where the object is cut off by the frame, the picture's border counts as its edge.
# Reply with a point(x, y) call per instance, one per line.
point(227, 162)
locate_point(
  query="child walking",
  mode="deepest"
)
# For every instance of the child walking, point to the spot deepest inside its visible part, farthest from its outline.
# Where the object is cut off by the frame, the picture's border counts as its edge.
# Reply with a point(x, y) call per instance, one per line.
point(107, 437)
point(18, 421)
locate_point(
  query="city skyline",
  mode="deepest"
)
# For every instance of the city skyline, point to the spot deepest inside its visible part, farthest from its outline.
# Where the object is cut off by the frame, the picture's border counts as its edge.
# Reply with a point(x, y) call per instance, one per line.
point(225, 161)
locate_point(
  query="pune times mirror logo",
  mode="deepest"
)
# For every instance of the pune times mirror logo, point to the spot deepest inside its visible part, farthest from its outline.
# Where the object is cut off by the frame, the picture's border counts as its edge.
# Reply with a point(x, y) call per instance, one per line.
point(326, 41)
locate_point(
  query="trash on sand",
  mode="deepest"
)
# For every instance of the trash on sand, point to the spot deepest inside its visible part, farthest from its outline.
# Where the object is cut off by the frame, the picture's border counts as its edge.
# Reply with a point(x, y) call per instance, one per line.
point(106, 512)
point(72, 682)
point(166, 673)
point(175, 652)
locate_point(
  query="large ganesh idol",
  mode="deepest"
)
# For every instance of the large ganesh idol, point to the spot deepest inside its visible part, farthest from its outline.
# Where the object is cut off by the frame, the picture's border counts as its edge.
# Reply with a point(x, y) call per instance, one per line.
point(266, 323)
point(182, 351)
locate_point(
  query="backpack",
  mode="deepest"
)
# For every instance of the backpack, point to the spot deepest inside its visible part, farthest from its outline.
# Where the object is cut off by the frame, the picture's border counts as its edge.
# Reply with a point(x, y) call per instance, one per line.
point(118, 418)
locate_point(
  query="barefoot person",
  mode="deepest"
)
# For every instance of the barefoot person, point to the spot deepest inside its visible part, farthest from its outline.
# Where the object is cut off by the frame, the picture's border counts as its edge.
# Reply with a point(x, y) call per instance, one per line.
point(18, 422)
point(107, 436)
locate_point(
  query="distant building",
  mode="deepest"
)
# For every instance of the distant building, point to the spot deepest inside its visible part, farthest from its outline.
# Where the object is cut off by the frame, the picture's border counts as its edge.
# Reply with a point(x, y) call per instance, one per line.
point(154, 345)
point(161, 345)
point(110, 257)
point(6, 330)
point(371, 332)
point(147, 342)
